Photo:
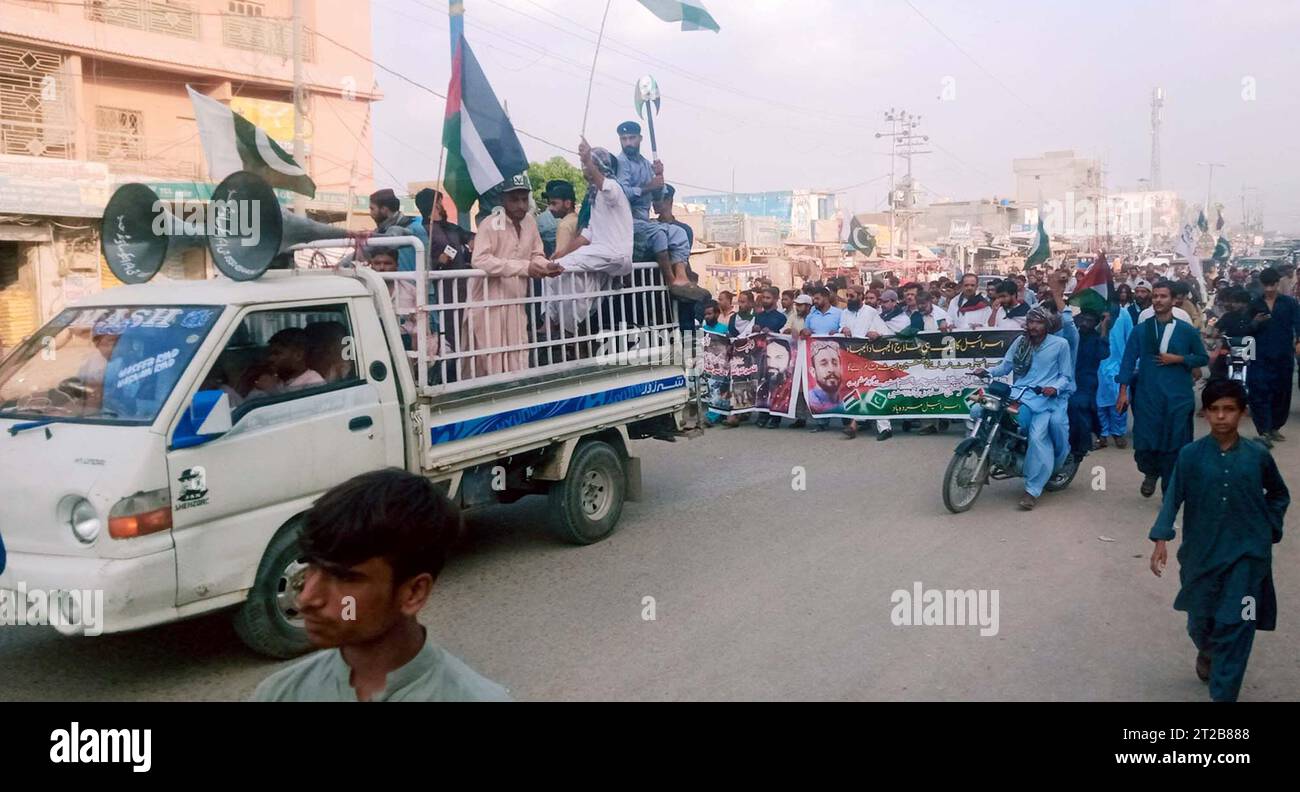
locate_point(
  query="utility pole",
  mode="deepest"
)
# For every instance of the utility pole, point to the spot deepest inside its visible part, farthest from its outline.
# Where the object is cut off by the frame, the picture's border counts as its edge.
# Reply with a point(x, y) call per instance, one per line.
point(904, 142)
point(299, 100)
point(893, 131)
point(1209, 187)
point(1157, 115)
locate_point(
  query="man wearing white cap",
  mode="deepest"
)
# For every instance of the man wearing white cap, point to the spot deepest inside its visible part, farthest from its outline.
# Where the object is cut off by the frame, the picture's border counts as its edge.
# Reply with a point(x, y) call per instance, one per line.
point(1148, 311)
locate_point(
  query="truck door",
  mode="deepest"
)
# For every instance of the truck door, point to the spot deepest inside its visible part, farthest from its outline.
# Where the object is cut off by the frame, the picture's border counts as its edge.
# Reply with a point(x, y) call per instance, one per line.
point(306, 415)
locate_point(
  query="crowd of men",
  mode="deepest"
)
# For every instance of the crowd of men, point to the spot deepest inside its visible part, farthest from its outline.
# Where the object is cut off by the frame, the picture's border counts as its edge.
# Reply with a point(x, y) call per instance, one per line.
point(525, 253)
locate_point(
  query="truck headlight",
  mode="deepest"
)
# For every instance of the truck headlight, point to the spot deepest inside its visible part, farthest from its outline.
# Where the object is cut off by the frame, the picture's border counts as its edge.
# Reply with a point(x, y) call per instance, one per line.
point(140, 514)
point(82, 518)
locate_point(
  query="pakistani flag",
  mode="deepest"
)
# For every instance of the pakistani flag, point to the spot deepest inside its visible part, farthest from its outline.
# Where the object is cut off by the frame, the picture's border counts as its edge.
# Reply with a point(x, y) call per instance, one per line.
point(482, 148)
point(1218, 224)
point(1223, 249)
point(1041, 248)
point(860, 239)
point(1095, 288)
point(1202, 224)
point(231, 143)
point(690, 13)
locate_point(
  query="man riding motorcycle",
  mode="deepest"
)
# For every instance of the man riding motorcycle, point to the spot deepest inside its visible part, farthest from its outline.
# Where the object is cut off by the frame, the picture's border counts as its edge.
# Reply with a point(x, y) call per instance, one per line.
point(1040, 363)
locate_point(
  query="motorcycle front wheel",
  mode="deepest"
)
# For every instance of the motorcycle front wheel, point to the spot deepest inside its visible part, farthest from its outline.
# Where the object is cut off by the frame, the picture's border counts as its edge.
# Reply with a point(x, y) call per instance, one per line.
point(964, 479)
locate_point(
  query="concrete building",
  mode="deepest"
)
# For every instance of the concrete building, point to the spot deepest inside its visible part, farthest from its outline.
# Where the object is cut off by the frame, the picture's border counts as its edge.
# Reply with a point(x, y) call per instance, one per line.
point(1056, 176)
point(966, 221)
point(92, 95)
point(1143, 215)
point(798, 212)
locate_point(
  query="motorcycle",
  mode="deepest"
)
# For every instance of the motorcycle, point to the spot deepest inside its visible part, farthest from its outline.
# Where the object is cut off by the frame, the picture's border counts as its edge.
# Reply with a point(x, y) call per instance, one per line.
point(995, 449)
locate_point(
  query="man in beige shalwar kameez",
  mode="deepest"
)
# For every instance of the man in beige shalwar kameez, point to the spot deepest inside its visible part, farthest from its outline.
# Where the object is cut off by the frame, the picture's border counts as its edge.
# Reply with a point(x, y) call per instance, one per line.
point(509, 249)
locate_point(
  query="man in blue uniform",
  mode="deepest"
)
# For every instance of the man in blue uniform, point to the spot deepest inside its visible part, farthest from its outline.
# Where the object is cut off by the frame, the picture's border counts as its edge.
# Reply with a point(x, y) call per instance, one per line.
point(1040, 359)
point(1233, 500)
point(1085, 422)
point(1268, 377)
point(643, 183)
point(1160, 389)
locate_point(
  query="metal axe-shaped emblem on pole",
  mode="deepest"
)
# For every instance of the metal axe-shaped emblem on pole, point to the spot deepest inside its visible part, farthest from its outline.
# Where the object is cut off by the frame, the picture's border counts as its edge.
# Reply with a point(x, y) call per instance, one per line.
point(647, 93)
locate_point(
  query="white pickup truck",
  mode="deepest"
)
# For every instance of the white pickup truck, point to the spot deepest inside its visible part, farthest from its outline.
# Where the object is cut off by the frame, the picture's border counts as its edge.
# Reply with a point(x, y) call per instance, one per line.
point(145, 451)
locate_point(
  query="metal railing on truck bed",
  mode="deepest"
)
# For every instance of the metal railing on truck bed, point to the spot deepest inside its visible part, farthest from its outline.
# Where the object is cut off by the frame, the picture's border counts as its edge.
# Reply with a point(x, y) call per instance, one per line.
point(486, 332)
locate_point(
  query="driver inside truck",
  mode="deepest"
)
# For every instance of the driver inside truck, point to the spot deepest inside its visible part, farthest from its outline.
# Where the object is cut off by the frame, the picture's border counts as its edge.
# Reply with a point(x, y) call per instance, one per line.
point(286, 357)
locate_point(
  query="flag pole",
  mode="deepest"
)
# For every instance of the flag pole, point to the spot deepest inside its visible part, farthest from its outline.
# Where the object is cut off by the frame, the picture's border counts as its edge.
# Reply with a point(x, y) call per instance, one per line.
point(587, 110)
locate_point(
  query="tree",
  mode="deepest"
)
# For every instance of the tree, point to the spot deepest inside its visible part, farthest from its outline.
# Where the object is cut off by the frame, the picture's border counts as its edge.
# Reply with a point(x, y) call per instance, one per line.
point(556, 168)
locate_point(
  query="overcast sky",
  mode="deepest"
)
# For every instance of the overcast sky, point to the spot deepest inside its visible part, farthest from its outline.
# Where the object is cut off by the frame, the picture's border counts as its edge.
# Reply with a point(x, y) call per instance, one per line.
point(790, 93)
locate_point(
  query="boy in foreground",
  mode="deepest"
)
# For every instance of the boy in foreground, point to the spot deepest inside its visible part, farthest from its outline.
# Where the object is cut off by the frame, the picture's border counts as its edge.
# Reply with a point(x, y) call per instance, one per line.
point(1233, 500)
point(374, 545)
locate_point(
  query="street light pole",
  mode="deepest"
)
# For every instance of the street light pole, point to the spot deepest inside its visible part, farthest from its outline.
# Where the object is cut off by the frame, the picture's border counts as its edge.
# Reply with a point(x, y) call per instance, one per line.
point(1209, 186)
point(299, 99)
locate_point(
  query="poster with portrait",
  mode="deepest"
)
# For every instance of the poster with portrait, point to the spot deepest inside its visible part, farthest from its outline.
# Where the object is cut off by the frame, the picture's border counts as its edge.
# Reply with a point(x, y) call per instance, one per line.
point(715, 372)
point(757, 373)
point(925, 376)
point(779, 378)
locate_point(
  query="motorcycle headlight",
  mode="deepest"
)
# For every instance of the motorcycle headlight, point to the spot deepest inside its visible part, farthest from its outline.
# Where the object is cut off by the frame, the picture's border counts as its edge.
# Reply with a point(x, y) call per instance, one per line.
point(81, 517)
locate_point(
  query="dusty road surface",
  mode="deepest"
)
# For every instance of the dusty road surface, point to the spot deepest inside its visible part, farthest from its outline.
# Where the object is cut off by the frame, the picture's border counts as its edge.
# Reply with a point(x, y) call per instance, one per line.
point(765, 591)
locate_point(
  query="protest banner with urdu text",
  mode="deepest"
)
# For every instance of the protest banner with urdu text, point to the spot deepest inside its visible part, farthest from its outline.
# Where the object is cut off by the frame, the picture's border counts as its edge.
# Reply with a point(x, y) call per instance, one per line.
point(925, 376)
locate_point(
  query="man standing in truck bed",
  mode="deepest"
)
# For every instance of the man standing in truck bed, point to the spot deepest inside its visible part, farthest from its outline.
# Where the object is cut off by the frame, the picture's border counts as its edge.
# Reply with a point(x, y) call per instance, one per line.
point(509, 249)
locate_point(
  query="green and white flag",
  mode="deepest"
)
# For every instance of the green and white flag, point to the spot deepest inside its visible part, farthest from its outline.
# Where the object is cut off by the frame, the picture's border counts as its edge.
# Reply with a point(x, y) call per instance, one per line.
point(691, 13)
point(1223, 249)
point(1041, 248)
point(232, 143)
point(1201, 223)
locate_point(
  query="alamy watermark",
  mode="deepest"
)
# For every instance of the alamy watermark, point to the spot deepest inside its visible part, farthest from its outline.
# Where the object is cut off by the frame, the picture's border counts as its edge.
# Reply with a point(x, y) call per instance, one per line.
point(73, 608)
point(946, 608)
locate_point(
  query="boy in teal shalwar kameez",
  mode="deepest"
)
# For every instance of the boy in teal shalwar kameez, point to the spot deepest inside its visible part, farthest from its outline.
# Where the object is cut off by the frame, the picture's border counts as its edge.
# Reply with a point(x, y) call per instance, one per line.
point(1233, 501)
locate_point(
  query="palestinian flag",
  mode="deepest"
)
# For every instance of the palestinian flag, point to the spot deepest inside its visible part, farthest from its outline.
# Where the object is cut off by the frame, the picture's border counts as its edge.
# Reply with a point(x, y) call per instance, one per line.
point(690, 13)
point(1094, 290)
point(1041, 248)
point(482, 148)
point(231, 143)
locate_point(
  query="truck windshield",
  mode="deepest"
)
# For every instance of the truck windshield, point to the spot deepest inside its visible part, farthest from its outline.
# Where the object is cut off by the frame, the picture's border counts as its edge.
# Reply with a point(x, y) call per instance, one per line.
point(103, 365)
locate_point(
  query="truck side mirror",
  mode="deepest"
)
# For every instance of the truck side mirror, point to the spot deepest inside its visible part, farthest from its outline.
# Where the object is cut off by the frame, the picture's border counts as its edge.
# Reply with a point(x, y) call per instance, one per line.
point(206, 419)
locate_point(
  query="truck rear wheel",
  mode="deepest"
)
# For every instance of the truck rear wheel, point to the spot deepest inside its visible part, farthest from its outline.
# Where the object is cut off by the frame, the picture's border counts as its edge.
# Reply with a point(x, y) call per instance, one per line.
point(269, 622)
point(586, 505)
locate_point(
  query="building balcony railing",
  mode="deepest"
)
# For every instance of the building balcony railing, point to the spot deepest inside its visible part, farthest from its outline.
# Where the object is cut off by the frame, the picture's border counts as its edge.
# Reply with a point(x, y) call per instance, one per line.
point(171, 17)
point(131, 155)
point(37, 140)
point(257, 34)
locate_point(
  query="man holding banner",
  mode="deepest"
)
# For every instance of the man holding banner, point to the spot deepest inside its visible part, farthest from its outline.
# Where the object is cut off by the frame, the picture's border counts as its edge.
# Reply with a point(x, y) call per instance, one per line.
point(1040, 363)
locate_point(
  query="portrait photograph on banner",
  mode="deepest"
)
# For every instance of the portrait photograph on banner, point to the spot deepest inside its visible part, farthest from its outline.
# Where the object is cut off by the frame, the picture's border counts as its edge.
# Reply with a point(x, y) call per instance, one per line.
point(925, 376)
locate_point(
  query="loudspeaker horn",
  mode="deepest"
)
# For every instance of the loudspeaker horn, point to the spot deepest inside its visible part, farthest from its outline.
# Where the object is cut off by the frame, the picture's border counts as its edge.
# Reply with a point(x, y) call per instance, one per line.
point(138, 233)
point(250, 229)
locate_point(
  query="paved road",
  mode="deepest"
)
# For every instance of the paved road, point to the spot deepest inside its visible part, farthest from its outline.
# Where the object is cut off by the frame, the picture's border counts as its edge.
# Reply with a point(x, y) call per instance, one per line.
point(764, 592)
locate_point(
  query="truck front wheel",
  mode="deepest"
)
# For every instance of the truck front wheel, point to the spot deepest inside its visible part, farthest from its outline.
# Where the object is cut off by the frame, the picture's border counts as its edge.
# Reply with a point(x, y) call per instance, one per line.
point(586, 505)
point(269, 622)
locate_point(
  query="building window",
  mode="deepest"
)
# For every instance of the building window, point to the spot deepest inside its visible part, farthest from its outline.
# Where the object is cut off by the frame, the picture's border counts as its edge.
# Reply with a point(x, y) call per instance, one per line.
point(246, 8)
point(245, 27)
point(119, 134)
point(172, 17)
point(35, 103)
